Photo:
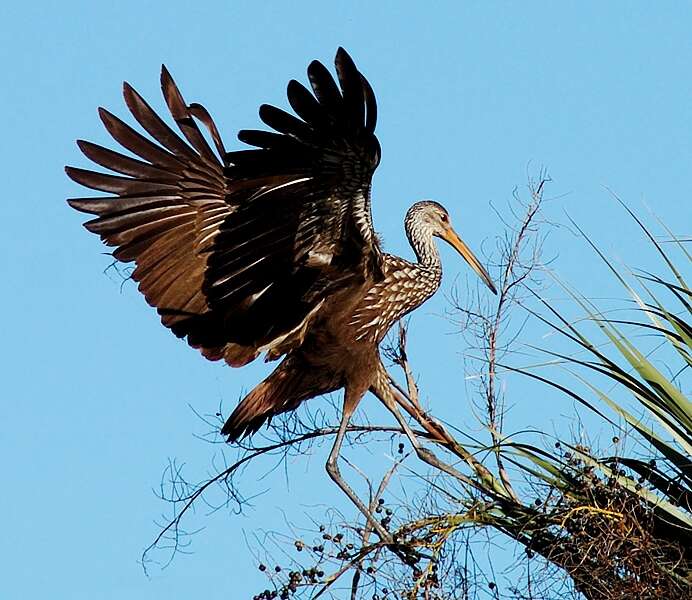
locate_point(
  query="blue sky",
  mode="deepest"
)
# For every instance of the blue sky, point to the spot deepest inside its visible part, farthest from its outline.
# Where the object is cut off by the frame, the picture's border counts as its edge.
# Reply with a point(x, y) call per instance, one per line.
point(96, 393)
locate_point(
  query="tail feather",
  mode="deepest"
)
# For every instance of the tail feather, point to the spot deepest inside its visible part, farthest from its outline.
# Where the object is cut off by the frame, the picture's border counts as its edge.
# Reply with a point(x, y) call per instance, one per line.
point(282, 391)
point(252, 412)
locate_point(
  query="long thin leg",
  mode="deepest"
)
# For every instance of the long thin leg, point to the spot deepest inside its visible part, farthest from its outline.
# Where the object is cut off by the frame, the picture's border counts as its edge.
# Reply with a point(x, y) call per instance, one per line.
point(335, 473)
point(386, 398)
point(382, 390)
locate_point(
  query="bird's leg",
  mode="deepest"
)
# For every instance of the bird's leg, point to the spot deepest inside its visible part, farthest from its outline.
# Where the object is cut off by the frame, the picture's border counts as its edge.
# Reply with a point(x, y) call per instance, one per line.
point(386, 397)
point(438, 434)
point(335, 473)
point(382, 390)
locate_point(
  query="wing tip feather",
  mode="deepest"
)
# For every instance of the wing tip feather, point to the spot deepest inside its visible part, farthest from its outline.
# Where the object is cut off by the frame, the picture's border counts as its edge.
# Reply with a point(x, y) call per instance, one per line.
point(106, 116)
point(133, 99)
point(75, 173)
point(84, 205)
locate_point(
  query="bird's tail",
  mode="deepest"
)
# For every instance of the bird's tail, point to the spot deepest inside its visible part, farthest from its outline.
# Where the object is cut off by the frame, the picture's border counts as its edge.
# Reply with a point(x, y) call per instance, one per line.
point(282, 391)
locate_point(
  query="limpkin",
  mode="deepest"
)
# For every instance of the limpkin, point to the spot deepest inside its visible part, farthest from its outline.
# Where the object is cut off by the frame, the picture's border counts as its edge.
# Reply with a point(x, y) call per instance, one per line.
point(269, 250)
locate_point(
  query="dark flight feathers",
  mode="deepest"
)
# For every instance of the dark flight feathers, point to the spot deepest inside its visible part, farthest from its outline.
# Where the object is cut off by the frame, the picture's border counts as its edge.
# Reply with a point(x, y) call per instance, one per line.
point(238, 250)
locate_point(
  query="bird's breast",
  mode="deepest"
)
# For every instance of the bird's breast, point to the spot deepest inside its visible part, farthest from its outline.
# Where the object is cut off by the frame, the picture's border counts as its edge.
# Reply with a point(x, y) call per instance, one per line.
point(405, 287)
point(344, 339)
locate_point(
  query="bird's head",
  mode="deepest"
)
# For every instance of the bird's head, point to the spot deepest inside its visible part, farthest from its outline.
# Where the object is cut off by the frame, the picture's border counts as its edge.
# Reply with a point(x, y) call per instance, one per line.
point(434, 219)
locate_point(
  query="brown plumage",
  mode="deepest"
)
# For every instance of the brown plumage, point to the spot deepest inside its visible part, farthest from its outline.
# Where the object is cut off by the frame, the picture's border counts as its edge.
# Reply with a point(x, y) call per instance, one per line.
point(269, 250)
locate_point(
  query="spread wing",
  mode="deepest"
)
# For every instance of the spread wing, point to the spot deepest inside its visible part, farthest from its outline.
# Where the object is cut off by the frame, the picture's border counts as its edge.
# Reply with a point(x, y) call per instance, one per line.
point(238, 251)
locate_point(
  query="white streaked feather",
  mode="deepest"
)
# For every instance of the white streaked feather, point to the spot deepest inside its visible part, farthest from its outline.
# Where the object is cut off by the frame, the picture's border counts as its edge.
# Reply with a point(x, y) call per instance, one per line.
point(223, 280)
point(253, 298)
point(267, 190)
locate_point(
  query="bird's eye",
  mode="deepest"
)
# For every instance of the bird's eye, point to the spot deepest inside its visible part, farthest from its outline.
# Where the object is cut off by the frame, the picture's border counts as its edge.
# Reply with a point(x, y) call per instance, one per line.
point(444, 218)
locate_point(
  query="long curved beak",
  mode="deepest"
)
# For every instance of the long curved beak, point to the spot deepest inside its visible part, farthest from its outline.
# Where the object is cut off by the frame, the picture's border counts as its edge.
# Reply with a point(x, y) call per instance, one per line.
point(460, 246)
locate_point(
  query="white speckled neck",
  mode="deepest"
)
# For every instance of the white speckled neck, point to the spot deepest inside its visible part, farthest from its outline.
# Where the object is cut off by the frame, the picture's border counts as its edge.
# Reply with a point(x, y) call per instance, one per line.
point(420, 236)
